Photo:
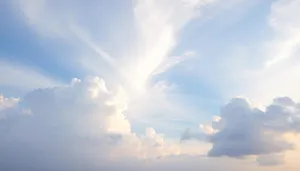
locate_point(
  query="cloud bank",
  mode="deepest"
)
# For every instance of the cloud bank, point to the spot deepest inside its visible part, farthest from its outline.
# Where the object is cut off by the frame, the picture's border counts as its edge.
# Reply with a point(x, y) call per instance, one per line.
point(84, 122)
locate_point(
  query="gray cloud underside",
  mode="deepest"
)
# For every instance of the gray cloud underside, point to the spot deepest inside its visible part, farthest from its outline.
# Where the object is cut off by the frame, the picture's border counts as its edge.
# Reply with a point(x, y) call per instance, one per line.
point(244, 130)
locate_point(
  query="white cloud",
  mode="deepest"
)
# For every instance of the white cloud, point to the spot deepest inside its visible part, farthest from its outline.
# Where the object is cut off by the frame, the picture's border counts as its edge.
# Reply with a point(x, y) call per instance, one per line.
point(83, 116)
point(58, 21)
point(283, 20)
point(172, 62)
point(6, 104)
point(82, 125)
point(158, 25)
point(88, 102)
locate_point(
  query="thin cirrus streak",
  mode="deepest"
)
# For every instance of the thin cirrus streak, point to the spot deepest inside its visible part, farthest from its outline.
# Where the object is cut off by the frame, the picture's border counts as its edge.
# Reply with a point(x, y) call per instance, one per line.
point(157, 25)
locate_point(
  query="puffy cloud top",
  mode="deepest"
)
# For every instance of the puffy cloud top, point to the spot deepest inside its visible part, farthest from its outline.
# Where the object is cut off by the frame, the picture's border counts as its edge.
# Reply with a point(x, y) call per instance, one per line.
point(242, 130)
point(6, 104)
point(83, 122)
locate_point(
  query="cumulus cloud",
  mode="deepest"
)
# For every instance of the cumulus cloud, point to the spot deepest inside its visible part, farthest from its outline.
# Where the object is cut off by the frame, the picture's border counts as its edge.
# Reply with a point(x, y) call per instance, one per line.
point(82, 125)
point(6, 104)
point(82, 121)
point(242, 130)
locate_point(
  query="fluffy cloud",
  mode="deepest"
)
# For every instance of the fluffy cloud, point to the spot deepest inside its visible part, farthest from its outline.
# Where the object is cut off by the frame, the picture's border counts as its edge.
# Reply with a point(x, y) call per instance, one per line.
point(242, 130)
point(83, 121)
point(82, 126)
point(6, 104)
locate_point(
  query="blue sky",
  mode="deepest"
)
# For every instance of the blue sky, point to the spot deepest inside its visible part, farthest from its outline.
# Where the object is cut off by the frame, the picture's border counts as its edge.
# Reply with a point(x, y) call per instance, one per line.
point(165, 65)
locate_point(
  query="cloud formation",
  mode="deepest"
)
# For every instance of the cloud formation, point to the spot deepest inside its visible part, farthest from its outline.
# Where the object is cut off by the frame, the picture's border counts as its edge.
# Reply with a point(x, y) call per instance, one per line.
point(242, 130)
point(283, 20)
point(82, 126)
point(7, 104)
point(82, 121)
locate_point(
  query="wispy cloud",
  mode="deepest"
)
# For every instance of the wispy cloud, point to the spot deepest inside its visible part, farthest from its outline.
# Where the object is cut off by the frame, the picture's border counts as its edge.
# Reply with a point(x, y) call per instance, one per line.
point(172, 62)
point(280, 55)
point(23, 77)
point(270, 65)
point(284, 22)
point(158, 25)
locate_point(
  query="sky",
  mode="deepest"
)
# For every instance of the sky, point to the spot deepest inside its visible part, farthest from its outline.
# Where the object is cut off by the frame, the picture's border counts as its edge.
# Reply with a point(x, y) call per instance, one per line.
point(149, 85)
